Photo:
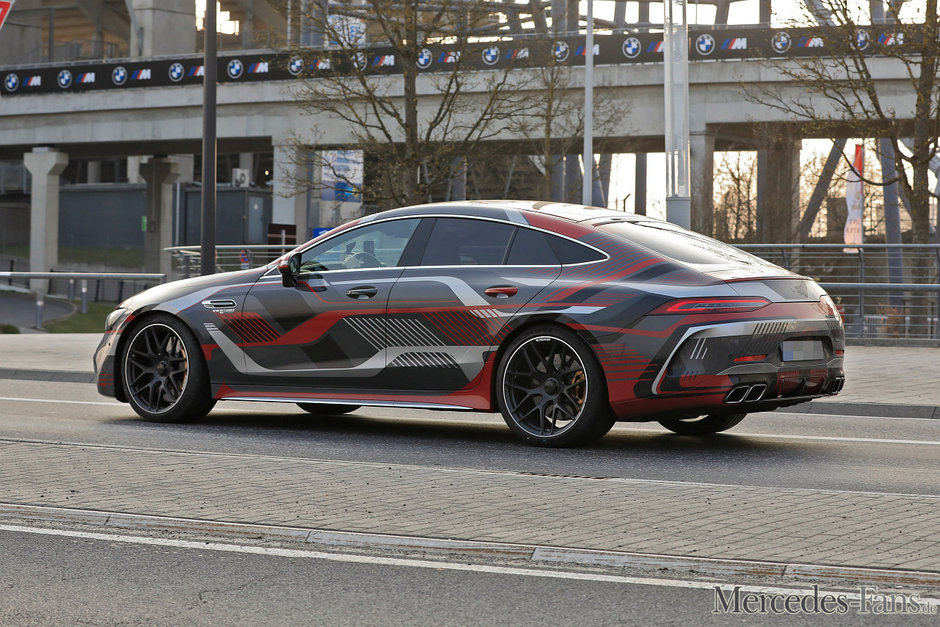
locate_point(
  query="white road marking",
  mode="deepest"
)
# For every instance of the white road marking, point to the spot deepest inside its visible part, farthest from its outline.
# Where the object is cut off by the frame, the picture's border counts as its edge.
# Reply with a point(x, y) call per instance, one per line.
point(428, 564)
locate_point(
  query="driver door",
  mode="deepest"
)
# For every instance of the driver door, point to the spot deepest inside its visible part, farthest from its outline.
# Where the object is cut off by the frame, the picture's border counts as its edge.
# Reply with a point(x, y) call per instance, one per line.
point(329, 330)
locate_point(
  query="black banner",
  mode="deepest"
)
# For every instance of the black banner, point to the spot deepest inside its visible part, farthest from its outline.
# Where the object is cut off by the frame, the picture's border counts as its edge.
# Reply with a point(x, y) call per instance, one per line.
point(719, 43)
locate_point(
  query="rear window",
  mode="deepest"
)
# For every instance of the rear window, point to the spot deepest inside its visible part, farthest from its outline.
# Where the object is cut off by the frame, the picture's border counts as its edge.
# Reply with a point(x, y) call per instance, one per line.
point(467, 242)
point(683, 246)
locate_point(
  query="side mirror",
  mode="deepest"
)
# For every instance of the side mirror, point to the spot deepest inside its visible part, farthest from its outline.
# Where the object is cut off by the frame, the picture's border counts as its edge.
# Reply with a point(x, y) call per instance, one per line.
point(289, 271)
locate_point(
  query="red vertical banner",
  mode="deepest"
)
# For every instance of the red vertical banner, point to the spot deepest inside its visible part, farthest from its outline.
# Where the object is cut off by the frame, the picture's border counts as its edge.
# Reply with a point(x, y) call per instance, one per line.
point(5, 7)
point(854, 232)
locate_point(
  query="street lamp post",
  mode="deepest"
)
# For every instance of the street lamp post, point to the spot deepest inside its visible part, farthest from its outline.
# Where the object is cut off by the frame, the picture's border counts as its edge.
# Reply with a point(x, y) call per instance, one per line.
point(210, 62)
point(676, 92)
point(587, 181)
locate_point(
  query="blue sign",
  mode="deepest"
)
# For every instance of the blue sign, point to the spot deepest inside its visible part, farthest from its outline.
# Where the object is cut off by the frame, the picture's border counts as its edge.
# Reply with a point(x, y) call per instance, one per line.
point(320, 230)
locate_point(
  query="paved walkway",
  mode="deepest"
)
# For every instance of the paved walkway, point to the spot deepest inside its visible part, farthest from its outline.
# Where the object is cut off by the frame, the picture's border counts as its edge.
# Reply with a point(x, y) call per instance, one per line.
point(654, 517)
point(19, 310)
point(880, 380)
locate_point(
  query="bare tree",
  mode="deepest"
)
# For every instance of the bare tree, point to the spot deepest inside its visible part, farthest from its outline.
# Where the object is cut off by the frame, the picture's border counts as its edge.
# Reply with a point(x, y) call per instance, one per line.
point(552, 120)
point(410, 146)
point(860, 104)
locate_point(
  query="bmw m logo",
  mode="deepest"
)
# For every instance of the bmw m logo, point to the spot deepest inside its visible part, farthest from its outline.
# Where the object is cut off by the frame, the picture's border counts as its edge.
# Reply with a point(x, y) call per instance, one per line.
point(862, 39)
point(234, 68)
point(176, 72)
point(491, 55)
point(296, 66)
point(64, 79)
point(119, 75)
point(705, 44)
point(11, 82)
point(560, 50)
point(631, 47)
point(780, 42)
point(424, 59)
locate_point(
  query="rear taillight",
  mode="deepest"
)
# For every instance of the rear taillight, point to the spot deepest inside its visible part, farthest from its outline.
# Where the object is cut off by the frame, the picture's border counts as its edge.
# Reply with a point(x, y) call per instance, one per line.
point(711, 305)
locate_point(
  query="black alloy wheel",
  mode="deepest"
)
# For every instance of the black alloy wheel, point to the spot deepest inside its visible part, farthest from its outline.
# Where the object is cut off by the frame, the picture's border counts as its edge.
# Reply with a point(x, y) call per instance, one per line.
point(326, 409)
point(550, 389)
point(163, 372)
point(703, 425)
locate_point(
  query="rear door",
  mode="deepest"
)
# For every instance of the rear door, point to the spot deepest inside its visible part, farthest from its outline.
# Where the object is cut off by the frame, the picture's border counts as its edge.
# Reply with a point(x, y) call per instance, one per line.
point(446, 314)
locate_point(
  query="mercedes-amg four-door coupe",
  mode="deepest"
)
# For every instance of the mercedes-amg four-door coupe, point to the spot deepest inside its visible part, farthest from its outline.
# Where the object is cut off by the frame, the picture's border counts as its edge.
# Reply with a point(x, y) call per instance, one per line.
point(563, 318)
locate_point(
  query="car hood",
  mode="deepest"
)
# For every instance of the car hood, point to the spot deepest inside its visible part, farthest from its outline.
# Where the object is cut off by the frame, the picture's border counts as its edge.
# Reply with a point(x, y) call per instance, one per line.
point(176, 295)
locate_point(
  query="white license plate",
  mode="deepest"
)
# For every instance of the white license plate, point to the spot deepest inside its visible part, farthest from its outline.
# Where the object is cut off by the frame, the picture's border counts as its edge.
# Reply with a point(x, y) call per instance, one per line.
point(802, 350)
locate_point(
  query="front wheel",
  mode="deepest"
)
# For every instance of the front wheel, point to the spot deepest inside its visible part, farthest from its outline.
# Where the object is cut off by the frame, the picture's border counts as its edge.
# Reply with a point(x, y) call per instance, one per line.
point(551, 390)
point(703, 425)
point(163, 373)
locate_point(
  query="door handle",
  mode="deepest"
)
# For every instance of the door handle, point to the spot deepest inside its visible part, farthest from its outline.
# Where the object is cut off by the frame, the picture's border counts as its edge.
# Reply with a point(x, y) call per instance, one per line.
point(362, 293)
point(501, 291)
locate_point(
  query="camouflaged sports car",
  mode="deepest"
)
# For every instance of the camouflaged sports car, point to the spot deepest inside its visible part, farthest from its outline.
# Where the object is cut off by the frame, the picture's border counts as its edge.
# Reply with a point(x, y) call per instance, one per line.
point(563, 318)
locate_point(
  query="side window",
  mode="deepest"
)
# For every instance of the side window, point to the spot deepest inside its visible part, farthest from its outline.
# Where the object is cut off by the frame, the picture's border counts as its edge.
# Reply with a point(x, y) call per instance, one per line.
point(467, 242)
point(571, 252)
point(371, 246)
point(531, 248)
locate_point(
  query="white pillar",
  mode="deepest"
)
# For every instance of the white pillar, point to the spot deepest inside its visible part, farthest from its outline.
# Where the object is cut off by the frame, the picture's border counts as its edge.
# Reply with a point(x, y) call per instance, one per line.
point(702, 150)
point(160, 174)
point(290, 205)
point(45, 165)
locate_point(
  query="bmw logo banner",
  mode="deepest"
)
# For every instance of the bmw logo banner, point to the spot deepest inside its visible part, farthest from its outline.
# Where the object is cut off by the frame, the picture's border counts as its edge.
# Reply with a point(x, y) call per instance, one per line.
point(706, 44)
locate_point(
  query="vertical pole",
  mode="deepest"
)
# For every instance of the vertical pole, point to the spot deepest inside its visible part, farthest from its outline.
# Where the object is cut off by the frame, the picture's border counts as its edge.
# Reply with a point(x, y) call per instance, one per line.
point(39, 310)
point(676, 65)
point(587, 181)
point(207, 248)
point(84, 295)
point(639, 185)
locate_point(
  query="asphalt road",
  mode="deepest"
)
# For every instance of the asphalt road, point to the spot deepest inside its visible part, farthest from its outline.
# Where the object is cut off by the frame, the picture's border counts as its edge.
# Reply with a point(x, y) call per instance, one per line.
point(889, 455)
point(50, 578)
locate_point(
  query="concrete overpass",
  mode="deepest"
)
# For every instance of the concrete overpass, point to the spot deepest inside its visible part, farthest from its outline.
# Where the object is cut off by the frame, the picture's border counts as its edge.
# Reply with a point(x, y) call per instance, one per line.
point(46, 129)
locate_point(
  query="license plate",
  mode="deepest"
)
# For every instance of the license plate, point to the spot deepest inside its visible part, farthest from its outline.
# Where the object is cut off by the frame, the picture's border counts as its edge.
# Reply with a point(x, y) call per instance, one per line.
point(802, 350)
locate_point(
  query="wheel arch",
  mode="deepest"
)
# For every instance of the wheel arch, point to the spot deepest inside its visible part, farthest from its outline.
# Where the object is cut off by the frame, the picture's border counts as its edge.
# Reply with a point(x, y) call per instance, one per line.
point(527, 324)
point(139, 319)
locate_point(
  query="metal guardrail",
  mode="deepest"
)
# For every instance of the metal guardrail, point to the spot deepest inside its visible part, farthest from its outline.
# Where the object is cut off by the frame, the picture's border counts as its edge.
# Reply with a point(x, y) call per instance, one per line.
point(228, 257)
point(83, 278)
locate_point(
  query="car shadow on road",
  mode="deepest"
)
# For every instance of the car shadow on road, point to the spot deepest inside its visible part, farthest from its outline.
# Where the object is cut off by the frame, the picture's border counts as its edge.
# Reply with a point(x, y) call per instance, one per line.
point(483, 435)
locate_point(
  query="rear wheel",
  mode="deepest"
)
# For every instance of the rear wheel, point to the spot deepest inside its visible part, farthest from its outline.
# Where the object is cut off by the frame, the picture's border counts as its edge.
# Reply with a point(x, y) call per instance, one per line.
point(703, 425)
point(551, 390)
point(163, 372)
point(323, 409)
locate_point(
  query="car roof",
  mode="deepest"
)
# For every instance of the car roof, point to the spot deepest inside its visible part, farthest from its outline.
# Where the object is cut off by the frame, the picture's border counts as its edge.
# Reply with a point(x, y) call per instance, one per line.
point(504, 209)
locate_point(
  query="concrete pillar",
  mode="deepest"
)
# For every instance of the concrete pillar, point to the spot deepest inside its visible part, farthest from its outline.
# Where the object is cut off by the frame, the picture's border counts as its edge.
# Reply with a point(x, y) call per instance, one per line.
point(167, 27)
point(573, 178)
point(778, 186)
point(558, 178)
point(458, 182)
point(639, 185)
point(160, 173)
point(45, 165)
point(289, 206)
point(94, 172)
point(133, 169)
point(702, 145)
point(185, 165)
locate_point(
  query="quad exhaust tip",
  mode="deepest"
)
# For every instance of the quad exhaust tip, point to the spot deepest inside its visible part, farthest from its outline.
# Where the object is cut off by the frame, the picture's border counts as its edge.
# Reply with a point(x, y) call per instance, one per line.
point(746, 394)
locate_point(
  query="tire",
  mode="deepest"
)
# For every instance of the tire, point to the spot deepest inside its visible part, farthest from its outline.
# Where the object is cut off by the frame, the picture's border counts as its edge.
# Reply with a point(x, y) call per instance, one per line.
point(551, 390)
point(703, 425)
point(163, 372)
point(323, 409)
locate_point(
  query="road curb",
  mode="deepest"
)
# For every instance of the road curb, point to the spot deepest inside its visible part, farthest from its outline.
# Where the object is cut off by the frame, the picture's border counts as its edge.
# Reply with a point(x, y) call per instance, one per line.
point(536, 554)
point(54, 376)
